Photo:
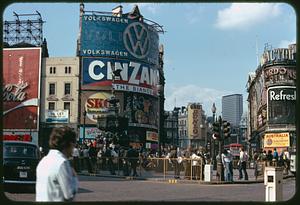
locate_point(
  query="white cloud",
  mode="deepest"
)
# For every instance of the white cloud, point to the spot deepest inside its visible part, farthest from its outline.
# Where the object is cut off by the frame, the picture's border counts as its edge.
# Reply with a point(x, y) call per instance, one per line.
point(245, 15)
point(192, 93)
point(285, 43)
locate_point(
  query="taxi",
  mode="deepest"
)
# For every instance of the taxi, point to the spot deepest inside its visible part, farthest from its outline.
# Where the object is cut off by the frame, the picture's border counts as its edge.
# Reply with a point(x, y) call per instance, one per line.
point(20, 159)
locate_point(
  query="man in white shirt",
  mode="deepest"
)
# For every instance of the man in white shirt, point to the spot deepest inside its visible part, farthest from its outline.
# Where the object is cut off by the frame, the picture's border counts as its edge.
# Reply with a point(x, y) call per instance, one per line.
point(243, 164)
point(56, 179)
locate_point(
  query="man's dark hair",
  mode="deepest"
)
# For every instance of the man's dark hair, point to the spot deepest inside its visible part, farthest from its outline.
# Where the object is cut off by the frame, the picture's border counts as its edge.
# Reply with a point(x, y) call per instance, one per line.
point(61, 138)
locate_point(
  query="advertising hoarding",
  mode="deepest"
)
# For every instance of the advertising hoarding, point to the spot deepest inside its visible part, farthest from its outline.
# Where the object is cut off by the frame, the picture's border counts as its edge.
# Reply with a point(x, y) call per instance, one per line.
point(151, 136)
point(120, 37)
point(281, 105)
point(57, 116)
point(21, 88)
point(141, 110)
point(194, 120)
point(95, 104)
point(277, 140)
point(90, 132)
point(134, 76)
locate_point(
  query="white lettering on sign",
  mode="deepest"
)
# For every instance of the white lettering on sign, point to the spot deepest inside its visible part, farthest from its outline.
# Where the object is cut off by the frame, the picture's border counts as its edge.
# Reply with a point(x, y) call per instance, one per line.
point(14, 92)
point(282, 96)
point(20, 71)
point(195, 121)
point(92, 67)
point(105, 18)
point(148, 76)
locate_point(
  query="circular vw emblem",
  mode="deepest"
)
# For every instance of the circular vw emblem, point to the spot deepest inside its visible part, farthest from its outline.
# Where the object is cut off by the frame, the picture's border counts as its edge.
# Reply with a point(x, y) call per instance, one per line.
point(136, 40)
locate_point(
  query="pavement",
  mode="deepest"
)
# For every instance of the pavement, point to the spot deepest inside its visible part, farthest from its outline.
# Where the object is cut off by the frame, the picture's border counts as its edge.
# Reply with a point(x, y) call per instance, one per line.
point(169, 177)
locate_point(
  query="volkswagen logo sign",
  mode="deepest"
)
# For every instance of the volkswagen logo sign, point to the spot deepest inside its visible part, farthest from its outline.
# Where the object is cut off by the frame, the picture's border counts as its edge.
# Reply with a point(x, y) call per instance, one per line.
point(136, 40)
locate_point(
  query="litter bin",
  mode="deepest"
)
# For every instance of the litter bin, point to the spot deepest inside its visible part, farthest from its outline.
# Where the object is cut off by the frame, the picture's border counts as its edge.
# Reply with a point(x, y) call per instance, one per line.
point(273, 177)
point(208, 172)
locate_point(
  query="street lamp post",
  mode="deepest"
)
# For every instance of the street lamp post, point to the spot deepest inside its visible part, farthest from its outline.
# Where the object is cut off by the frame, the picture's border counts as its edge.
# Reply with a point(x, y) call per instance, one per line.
point(84, 117)
point(220, 168)
point(213, 109)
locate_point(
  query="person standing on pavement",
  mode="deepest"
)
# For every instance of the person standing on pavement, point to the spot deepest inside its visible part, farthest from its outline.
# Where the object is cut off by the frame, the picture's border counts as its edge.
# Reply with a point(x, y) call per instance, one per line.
point(56, 179)
point(243, 164)
point(75, 156)
point(174, 159)
point(187, 163)
point(227, 163)
point(133, 156)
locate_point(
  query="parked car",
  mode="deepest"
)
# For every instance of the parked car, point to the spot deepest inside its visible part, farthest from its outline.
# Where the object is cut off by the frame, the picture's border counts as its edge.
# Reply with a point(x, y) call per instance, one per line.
point(20, 159)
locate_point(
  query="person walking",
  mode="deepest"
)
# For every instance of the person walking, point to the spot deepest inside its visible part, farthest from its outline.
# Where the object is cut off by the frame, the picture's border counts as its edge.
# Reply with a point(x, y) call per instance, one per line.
point(56, 180)
point(243, 164)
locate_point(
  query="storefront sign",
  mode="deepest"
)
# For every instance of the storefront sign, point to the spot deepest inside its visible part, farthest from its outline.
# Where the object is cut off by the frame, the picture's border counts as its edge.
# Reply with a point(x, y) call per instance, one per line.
point(57, 116)
point(277, 140)
point(152, 136)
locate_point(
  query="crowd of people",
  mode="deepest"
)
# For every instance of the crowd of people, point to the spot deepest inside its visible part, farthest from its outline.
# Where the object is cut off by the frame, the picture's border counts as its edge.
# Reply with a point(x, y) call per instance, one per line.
point(98, 154)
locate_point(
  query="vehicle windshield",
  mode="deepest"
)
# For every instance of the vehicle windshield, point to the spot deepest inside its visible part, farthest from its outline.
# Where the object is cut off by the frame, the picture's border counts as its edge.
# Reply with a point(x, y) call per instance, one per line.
point(18, 150)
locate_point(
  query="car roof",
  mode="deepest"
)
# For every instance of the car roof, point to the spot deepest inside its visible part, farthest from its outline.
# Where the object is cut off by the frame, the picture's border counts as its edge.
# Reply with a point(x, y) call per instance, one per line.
point(18, 142)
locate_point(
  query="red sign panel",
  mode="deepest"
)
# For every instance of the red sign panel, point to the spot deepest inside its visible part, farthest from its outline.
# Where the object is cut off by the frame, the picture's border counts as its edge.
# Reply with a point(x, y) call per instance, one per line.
point(21, 87)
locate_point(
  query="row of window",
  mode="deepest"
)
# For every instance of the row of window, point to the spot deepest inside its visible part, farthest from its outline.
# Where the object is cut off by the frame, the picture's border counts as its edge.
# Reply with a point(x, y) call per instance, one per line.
point(52, 70)
point(67, 106)
point(182, 133)
point(67, 89)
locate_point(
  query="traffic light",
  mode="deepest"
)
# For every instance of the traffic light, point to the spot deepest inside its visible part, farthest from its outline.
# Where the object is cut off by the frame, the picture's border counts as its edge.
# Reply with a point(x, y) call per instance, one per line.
point(216, 131)
point(226, 129)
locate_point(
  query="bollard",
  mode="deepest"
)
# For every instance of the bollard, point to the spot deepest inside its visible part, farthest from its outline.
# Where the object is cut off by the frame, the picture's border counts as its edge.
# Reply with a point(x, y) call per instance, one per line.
point(273, 180)
point(208, 172)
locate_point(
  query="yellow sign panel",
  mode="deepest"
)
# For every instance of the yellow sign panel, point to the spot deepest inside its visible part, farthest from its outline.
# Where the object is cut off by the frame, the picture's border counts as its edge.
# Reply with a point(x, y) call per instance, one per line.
point(277, 140)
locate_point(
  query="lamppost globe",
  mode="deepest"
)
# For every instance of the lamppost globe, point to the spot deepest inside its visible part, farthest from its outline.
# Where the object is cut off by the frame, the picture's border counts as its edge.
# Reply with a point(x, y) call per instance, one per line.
point(213, 108)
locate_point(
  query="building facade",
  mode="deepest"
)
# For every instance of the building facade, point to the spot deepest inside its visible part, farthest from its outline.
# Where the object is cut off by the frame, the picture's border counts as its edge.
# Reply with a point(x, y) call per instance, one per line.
point(232, 109)
point(59, 96)
point(117, 61)
point(183, 127)
point(272, 101)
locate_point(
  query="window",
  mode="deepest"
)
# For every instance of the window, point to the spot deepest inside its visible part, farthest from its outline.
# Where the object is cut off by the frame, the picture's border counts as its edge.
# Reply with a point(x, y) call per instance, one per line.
point(51, 106)
point(67, 88)
point(52, 70)
point(67, 106)
point(52, 89)
point(67, 69)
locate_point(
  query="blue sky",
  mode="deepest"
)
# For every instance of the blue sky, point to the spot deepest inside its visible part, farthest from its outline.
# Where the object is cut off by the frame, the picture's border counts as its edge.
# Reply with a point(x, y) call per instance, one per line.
point(209, 47)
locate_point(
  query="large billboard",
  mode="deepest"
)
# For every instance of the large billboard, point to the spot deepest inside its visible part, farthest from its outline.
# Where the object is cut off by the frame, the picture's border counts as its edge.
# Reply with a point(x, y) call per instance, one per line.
point(95, 104)
point(282, 105)
point(21, 88)
point(118, 37)
point(134, 76)
point(272, 140)
point(141, 110)
point(194, 120)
